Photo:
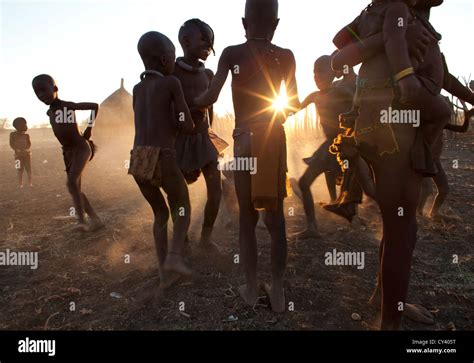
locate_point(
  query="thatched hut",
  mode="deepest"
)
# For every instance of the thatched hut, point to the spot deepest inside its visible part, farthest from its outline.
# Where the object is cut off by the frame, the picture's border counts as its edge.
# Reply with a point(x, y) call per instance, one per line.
point(114, 128)
point(115, 118)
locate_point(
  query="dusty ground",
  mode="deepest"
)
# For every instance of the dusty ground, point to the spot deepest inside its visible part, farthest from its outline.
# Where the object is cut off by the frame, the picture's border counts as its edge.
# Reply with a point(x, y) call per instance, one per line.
point(87, 269)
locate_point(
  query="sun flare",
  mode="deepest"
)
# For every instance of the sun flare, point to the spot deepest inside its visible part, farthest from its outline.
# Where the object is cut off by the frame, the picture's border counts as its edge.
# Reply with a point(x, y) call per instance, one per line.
point(281, 101)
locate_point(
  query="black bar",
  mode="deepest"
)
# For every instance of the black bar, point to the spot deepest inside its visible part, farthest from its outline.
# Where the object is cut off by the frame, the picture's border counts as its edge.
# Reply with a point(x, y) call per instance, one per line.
point(223, 346)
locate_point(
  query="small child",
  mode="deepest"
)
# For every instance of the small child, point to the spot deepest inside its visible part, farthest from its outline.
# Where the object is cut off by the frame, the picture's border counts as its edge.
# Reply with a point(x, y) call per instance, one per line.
point(332, 99)
point(78, 150)
point(21, 144)
point(160, 112)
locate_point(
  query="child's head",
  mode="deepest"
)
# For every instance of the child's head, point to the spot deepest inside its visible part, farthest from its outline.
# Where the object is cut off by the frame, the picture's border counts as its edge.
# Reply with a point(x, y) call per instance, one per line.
point(323, 73)
point(157, 52)
point(45, 88)
point(261, 19)
point(20, 124)
point(197, 39)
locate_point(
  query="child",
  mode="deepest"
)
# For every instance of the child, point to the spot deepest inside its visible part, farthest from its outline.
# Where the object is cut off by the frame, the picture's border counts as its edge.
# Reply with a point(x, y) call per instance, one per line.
point(331, 100)
point(78, 150)
point(153, 163)
point(196, 152)
point(258, 68)
point(21, 144)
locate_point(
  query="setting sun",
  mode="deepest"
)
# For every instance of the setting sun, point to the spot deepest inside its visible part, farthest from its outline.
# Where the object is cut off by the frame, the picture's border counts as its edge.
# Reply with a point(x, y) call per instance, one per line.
point(281, 101)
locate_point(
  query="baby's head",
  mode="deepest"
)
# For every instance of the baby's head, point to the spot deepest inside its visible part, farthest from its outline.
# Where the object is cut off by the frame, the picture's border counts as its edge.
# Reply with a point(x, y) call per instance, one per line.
point(157, 52)
point(261, 19)
point(20, 124)
point(323, 73)
point(45, 88)
point(197, 39)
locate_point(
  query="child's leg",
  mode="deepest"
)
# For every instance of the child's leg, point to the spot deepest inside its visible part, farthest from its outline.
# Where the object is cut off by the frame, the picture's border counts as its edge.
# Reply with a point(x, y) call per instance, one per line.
point(79, 159)
point(28, 169)
point(21, 167)
point(161, 215)
point(305, 182)
point(320, 162)
point(426, 192)
point(275, 222)
point(436, 114)
point(174, 184)
point(331, 184)
point(441, 181)
point(248, 218)
point(212, 175)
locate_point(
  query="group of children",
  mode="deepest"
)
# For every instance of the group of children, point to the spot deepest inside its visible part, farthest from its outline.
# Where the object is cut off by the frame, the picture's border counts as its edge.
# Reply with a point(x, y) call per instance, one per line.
point(174, 144)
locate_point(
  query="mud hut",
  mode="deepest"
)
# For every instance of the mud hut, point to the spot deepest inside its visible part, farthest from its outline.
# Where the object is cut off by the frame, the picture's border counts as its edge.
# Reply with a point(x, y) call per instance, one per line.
point(114, 127)
point(115, 119)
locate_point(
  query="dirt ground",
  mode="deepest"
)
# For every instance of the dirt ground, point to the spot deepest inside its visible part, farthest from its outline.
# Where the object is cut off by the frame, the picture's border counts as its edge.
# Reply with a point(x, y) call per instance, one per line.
point(109, 294)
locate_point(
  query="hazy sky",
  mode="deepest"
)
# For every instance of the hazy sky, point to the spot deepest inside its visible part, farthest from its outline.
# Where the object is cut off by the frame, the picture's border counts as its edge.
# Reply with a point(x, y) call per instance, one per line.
point(87, 46)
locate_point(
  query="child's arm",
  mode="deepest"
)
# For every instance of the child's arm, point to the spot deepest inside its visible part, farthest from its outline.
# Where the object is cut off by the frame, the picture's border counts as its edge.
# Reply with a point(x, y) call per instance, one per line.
point(456, 88)
point(418, 39)
point(28, 142)
point(294, 104)
point(212, 94)
point(396, 49)
point(85, 106)
point(181, 108)
point(12, 141)
point(210, 109)
point(347, 35)
point(309, 100)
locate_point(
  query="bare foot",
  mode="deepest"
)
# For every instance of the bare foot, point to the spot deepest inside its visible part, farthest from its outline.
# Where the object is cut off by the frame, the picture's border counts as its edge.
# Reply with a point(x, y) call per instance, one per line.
point(209, 247)
point(81, 227)
point(415, 312)
point(249, 295)
point(174, 263)
point(96, 225)
point(168, 280)
point(418, 313)
point(307, 234)
point(296, 188)
point(277, 298)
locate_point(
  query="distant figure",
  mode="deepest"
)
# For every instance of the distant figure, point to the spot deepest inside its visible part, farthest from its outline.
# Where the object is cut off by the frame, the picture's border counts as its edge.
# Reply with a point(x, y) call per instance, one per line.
point(78, 150)
point(196, 152)
point(258, 69)
point(21, 144)
point(153, 162)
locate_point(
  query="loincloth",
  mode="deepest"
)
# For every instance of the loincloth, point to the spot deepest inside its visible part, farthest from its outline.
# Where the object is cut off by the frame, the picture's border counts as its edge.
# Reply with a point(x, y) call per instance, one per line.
point(267, 144)
point(195, 151)
point(145, 164)
point(373, 97)
point(77, 156)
